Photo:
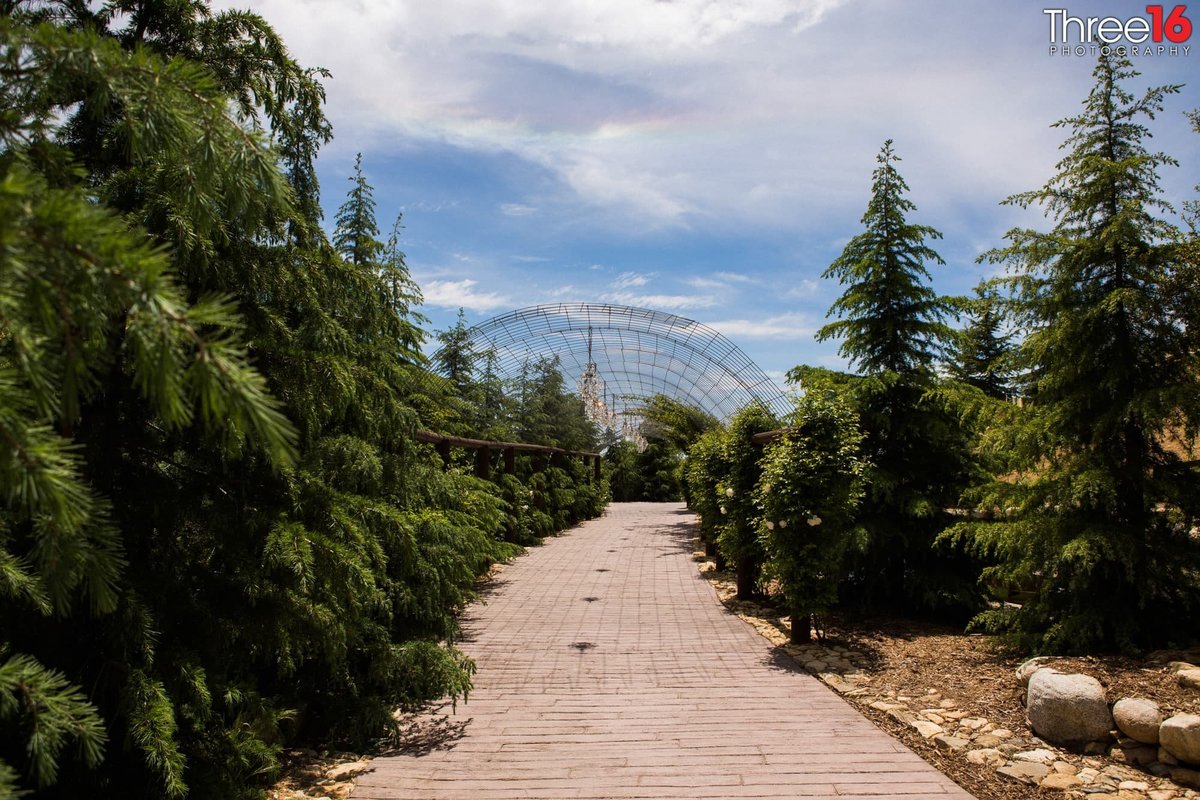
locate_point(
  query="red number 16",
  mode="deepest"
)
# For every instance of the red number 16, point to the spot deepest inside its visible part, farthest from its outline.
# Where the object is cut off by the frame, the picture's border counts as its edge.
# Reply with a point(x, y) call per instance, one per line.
point(1176, 26)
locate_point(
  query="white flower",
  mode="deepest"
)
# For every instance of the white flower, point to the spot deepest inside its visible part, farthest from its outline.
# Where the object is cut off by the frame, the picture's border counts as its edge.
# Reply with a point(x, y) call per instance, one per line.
point(814, 522)
point(766, 488)
point(729, 492)
point(770, 525)
point(782, 523)
point(722, 509)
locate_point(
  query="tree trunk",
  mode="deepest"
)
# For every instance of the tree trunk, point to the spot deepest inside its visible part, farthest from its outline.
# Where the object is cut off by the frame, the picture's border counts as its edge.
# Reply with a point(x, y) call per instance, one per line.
point(801, 629)
point(747, 579)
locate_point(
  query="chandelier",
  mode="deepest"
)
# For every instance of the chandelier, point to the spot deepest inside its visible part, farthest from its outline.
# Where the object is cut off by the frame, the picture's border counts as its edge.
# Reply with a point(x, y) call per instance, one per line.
point(596, 408)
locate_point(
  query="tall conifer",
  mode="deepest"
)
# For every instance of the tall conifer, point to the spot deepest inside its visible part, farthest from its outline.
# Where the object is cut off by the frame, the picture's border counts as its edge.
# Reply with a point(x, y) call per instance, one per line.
point(1099, 519)
point(892, 326)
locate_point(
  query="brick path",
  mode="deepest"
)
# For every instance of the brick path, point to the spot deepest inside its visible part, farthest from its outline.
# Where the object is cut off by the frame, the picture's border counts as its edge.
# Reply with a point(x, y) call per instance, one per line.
point(609, 669)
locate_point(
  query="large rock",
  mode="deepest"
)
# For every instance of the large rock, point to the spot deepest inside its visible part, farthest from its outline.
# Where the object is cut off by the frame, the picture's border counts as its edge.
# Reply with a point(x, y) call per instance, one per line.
point(1067, 709)
point(1180, 736)
point(1138, 718)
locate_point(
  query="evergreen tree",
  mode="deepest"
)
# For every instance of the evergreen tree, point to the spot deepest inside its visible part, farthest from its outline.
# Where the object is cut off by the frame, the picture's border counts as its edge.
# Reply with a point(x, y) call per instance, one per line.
point(980, 353)
point(403, 295)
point(457, 359)
point(624, 480)
point(893, 328)
point(356, 234)
point(354, 237)
point(496, 409)
point(216, 534)
point(547, 413)
point(1099, 520)
point(891, 320)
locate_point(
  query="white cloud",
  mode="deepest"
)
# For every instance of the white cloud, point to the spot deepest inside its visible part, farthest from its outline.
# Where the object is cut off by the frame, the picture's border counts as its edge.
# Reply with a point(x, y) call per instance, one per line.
point(668, 302)
point(687, 113)
point(517, 209)
point(462, 294)
point(737, 277)
point(563, 292)
point(782, 326)
point(705, 283)
point(628, 280)
point(802, 289)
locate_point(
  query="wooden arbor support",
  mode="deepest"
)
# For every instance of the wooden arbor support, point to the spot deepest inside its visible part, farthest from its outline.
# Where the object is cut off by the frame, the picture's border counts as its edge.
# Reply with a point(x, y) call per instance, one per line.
point(483, 453)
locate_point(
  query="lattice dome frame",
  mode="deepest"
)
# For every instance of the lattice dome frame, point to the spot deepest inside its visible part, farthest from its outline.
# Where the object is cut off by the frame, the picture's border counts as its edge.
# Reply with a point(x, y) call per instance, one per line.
point(618, 357)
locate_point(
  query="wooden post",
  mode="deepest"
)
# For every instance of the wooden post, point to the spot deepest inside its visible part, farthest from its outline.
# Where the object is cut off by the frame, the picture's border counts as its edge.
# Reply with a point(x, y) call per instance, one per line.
point(483, 466)
point(510, 461)
point(443, 450)
point(596, 473)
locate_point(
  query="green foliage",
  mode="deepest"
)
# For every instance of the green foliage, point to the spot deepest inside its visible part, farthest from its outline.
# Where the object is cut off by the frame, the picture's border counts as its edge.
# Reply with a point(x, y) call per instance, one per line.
point(546, 413)
point(676, 422)
point(737, 538)
point(48, 712)
point(621, 466)
point(894, 329)
point(706, 466)
point(1095, 527)
point(891, 320)
point(812, 481)
point(980, 354)
point(657, 470)
point(217, 535)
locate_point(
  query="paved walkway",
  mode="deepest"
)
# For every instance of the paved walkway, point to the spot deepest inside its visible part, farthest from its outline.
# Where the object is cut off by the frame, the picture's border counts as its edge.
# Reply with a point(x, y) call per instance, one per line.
point(609, 669)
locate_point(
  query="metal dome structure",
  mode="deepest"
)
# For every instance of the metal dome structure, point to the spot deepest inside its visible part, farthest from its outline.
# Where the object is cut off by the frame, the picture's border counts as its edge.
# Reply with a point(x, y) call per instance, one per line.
point(619, 356)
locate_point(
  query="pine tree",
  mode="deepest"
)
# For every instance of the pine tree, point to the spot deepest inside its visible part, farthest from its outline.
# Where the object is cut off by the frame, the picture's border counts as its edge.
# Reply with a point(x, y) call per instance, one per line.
point(90, 311)
point(980, 353)
point(457, 359)
point(213, 513)
point(356, 234)
point(354, 237)
point(1099, 521)
point(893, 328)
point(891, 320)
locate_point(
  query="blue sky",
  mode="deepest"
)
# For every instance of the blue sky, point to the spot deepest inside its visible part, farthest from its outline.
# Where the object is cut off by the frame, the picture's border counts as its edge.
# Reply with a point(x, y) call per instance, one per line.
point(708, 158)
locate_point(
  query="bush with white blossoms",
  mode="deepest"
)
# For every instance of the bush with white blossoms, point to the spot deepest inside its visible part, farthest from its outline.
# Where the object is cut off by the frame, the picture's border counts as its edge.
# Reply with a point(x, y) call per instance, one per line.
point(737, 538)
point(812, 480)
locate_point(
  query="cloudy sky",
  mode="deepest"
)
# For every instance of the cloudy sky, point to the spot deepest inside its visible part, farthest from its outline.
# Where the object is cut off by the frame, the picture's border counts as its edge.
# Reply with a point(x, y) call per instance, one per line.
point(703, 157)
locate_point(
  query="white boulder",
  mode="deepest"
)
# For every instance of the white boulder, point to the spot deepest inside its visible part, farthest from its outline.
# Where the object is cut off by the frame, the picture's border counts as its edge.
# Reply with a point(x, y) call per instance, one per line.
point(1138, 718)
point(1067, 709)
point(1180, 736)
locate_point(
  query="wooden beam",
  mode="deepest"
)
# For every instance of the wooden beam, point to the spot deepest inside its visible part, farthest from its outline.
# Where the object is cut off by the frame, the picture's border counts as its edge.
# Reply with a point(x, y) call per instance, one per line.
point(476, 444)
point(766, 437)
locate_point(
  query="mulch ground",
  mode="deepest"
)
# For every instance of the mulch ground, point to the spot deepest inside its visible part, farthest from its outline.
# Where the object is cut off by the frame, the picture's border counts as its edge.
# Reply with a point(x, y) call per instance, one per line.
point(911, 657)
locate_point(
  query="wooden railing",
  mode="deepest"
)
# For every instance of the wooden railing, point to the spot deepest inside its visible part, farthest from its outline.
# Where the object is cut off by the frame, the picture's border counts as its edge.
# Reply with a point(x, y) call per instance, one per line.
point(483, 453)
